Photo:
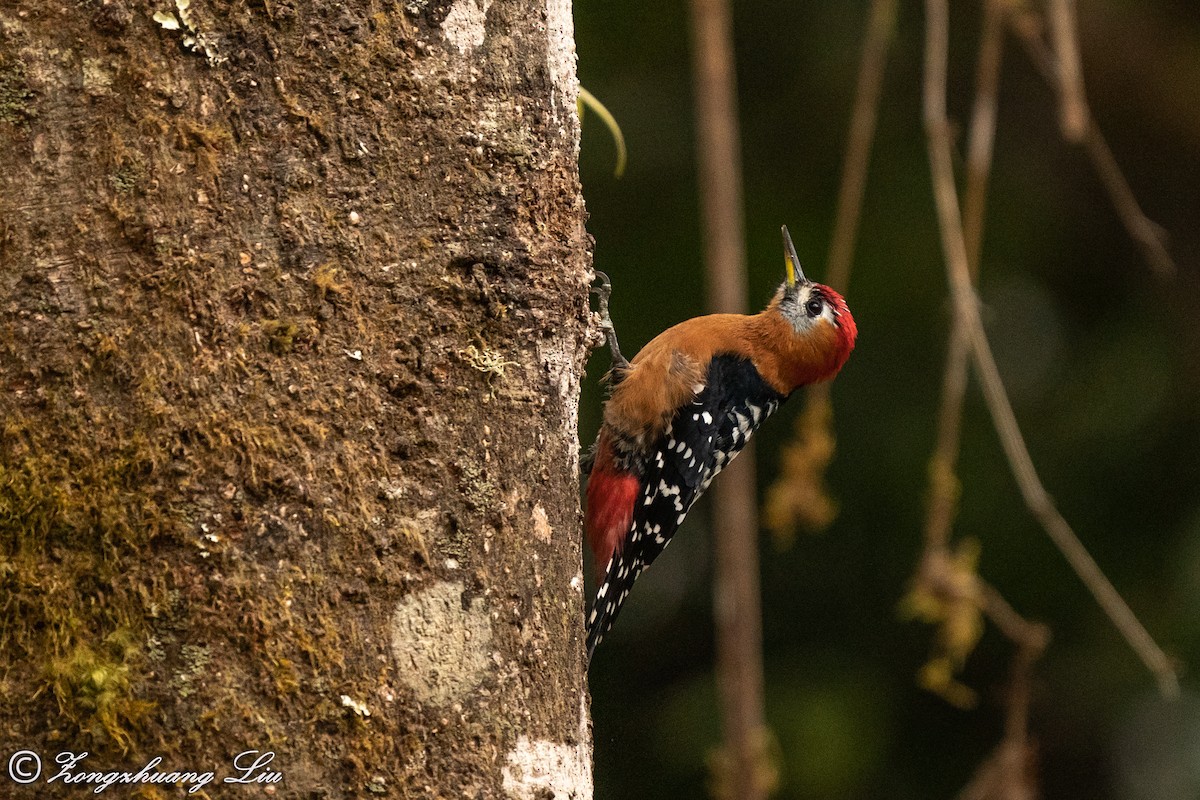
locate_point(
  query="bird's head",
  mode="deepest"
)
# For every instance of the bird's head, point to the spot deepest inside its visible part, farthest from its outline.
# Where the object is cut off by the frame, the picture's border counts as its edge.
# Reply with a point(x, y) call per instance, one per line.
point(823, 330)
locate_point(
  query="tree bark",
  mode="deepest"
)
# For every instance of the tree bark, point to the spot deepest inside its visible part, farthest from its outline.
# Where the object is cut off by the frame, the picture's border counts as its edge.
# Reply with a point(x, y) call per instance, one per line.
point(292, 316)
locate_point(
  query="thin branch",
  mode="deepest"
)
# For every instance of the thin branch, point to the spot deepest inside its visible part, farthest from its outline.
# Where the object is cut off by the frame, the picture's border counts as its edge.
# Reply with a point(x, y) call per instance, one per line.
point(880, 29)
point(1008, 773)
point(718, 148)
point(858, 148)
point(943, 495)
point(958, 268)
point(1146, 232)
point(1027, 26)
point(737, 609)
point(982, 140)
point(1032, 637)
point(1073, 108)
point(857, 160)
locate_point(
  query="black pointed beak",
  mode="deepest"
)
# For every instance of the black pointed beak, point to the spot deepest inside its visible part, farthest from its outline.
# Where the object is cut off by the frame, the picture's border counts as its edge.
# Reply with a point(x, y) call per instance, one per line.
point(795, 275)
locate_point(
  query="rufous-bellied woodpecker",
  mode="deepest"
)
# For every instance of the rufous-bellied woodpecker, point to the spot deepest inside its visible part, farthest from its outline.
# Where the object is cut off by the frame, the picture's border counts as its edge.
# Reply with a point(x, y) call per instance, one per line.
point(684, 407)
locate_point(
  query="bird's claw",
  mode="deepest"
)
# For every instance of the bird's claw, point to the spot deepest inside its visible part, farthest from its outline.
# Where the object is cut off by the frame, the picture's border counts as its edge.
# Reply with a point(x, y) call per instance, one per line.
point(603, 292)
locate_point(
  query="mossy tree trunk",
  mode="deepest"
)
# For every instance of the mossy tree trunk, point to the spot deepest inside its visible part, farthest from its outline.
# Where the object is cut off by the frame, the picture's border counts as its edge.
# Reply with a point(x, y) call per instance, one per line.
point(292, 314)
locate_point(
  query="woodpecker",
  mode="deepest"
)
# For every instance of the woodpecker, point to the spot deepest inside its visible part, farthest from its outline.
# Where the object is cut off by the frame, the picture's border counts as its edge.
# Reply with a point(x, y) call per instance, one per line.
point(684, 407)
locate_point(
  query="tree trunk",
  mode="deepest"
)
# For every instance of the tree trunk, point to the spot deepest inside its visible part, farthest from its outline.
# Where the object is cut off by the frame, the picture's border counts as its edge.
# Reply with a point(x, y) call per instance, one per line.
point(292, 315)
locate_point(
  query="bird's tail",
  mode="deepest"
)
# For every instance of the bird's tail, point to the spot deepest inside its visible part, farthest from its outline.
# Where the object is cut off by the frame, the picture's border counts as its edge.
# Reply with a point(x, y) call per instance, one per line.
point(619, 576)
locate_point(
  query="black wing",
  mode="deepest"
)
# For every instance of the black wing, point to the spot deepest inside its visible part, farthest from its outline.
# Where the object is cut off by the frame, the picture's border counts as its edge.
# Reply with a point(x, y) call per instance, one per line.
point(701, 439)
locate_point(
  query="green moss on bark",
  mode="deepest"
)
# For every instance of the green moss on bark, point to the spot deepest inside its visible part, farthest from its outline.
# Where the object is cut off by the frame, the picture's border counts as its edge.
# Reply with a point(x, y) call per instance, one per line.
point(16, 97)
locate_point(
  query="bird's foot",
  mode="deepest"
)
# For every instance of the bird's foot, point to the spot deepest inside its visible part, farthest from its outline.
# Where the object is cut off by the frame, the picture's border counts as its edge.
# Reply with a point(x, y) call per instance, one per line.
point(603, 292)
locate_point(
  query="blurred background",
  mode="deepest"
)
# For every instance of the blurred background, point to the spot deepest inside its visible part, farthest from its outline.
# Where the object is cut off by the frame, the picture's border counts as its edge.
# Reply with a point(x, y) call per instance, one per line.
point(1100, 355)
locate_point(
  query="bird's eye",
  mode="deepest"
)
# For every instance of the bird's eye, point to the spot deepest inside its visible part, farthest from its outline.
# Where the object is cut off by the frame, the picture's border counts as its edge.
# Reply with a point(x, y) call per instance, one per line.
point(814, 307)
